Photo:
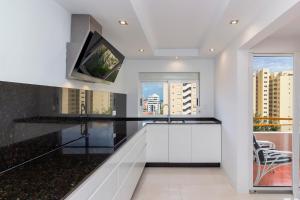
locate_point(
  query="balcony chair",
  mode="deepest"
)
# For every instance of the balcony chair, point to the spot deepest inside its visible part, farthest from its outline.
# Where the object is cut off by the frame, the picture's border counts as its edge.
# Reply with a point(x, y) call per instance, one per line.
point(266, 144)
point(269, 158)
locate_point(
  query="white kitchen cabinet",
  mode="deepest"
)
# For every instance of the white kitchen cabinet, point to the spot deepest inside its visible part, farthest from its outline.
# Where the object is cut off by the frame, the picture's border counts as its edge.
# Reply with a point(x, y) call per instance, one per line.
point(180, 143)
point(157, 143)
point(118, 176)
point(206, 143)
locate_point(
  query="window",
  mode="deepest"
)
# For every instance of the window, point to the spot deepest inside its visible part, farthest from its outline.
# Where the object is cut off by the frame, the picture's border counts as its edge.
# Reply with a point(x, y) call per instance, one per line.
point(154, 97)
point(164, 93)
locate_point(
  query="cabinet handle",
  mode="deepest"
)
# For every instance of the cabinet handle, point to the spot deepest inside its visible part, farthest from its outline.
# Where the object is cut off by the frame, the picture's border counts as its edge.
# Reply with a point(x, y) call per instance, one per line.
point(141, 101)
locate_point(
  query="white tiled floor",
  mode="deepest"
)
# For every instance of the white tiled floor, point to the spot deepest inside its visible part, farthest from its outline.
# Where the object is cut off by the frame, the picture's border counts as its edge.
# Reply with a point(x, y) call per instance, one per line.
point(192, 184)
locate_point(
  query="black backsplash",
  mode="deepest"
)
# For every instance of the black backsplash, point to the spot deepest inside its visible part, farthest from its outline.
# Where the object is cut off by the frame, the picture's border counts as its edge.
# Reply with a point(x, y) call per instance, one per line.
point(22, 101)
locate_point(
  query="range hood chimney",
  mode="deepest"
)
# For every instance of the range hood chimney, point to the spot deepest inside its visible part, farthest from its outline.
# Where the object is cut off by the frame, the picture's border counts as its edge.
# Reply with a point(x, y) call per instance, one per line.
point(81, 26)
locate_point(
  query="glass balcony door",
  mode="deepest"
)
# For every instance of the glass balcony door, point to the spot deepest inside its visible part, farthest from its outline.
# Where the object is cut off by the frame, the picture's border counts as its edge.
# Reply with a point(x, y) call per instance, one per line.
point(273, 112)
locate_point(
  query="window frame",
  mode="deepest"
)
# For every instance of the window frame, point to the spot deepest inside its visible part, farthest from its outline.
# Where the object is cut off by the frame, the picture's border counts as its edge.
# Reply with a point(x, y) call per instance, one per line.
point(169, 82)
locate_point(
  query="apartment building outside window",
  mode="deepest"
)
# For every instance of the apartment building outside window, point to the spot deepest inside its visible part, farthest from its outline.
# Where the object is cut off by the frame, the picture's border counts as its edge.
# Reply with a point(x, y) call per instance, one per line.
point(169, 93)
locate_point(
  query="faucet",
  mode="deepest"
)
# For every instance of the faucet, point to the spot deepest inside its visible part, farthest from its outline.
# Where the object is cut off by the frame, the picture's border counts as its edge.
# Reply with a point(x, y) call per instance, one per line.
point(83, 109)
point(84, 130)
point(169, 117)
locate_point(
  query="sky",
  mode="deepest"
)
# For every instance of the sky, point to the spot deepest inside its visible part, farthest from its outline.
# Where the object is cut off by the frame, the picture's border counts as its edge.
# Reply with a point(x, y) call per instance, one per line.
point(151, 88)
point(274, 63)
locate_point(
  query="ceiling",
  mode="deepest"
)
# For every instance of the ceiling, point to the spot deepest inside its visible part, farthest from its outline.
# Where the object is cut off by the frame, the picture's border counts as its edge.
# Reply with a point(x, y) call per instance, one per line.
point(286, 39)
point(169, 28)
point(289, 30)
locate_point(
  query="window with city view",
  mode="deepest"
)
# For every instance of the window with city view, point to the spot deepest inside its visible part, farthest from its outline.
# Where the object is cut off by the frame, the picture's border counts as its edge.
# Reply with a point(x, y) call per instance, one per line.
point(176, 97)
point(272, 120)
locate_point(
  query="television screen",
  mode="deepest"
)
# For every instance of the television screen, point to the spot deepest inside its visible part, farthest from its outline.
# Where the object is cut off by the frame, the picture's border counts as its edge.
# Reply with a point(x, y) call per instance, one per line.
point(99, 59)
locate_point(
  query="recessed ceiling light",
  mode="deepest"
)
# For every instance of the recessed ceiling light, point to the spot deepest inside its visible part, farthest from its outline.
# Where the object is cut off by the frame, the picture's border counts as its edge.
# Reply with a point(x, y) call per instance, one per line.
point(141, 50)
point(234, 21)
point(211, 49)
point(123, 22)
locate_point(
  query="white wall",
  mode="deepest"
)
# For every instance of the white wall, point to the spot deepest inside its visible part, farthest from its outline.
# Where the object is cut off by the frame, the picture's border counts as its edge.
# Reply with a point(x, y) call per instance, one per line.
point(225, 109)
point(232, 99)
point(33, 41)
point(204, 66)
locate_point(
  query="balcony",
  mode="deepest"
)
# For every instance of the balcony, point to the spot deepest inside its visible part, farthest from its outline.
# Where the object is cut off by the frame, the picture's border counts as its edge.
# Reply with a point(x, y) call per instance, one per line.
point(279, 132)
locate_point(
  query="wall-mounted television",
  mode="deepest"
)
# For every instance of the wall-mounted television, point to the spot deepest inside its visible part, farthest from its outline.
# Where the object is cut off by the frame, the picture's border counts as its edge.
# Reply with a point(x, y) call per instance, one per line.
point(98, 59)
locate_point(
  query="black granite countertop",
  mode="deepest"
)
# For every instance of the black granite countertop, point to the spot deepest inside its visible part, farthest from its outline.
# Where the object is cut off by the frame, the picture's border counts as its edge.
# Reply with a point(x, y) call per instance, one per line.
point(51, 176)
point(50, 165)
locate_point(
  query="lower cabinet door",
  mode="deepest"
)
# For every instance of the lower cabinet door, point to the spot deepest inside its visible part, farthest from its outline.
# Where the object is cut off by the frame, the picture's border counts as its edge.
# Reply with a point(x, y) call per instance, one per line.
point(108, 189)
point(157, 143)
point(180, 143)
point(206, 143)
point(127, 188)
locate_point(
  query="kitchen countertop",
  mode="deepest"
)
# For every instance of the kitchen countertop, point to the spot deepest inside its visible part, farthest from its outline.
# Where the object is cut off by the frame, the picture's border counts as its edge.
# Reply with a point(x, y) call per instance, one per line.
point(51, 165)
point(75, 119)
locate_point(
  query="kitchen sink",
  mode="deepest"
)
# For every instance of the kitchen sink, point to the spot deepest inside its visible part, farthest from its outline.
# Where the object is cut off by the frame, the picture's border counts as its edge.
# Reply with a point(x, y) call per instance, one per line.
point(178, 122)
point(199, 122)
point(160, 122)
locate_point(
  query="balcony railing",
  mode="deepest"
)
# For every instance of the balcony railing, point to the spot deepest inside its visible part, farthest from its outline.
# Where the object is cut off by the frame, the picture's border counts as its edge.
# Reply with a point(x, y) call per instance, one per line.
point(272, 124)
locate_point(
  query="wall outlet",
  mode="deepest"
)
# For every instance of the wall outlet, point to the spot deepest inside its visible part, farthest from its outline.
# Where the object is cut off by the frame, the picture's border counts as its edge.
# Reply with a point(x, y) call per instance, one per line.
point(114, 113)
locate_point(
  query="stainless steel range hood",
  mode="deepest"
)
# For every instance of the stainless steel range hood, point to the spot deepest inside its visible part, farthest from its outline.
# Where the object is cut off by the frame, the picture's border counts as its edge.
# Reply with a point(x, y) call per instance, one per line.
point(81, 26)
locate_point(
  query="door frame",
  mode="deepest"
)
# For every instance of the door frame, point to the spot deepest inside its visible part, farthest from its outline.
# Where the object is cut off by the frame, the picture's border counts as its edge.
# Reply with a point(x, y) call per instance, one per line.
point(296, 128)
point(295, 142)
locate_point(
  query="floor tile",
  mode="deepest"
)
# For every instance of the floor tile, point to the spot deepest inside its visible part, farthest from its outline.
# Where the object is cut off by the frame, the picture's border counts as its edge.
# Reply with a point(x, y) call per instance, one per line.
point(192, 184)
